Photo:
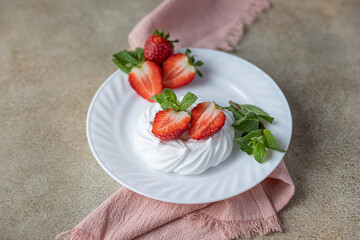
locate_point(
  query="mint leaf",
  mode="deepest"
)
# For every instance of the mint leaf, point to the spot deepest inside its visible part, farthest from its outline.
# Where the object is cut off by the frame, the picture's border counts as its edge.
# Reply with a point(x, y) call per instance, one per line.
point(248, 123)
point(270, 142)
point(237, 113)
point(251, 144)
point(167, 99)
point(173, 105)
point(138, 53)
point(121, 66)
point(171, 99)
point(161, 99)
point(170, 95)
point(125, 60)
point(259, 139)
point(244, 141)
point(187, 101)
point(259, 151)
point(258, 111)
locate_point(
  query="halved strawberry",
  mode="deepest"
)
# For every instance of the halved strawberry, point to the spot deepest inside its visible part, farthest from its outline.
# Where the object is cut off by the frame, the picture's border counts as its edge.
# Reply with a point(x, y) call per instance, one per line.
point(144, 76)
point(170, 124)
point(158, 48)
point(146, 79)
point(206, 119)
point(179, 69)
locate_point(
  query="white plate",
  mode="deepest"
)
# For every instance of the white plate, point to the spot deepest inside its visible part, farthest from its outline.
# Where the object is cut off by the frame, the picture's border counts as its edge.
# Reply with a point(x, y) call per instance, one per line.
point(112, 121)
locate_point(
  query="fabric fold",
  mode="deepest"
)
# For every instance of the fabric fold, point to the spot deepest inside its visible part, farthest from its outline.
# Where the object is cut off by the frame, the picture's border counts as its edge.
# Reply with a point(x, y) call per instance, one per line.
point(128, 215)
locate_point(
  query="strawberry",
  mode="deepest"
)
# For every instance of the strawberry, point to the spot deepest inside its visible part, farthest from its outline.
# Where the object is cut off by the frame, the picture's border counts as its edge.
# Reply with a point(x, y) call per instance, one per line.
point(158, 48)
point(179, 69)
point(206, 119)
point(144, 76)
point(146, 79)
point(173, 121)
point(170, 124)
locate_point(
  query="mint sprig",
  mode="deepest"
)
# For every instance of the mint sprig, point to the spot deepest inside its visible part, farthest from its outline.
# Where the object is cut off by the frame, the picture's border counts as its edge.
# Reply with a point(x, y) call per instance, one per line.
point(241, 110)
point(167, 99)
point(255, 137)
point(125, 60)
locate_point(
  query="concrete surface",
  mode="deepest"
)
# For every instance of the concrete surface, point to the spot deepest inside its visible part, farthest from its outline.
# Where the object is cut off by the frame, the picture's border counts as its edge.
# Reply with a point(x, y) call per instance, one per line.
point(55, 54)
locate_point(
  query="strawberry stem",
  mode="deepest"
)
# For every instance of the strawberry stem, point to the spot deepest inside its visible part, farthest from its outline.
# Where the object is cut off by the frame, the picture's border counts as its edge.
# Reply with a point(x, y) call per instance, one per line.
point(191, 61)
point(234, 105)
point(166, 36)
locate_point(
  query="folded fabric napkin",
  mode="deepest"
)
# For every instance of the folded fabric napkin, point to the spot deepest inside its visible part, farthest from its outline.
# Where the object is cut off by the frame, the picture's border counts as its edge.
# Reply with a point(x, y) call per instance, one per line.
point(128, 215)
point(214, 24)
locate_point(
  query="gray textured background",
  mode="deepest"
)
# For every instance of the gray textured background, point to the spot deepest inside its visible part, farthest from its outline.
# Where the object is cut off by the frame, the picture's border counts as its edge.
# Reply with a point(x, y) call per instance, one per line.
point(55, 54)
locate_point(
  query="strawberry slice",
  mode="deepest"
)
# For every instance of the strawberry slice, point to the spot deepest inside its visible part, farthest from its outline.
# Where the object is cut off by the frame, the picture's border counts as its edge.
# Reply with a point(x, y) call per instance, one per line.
point(146, 79)
point(170, 124)
point(206, 119)
point(179, 69)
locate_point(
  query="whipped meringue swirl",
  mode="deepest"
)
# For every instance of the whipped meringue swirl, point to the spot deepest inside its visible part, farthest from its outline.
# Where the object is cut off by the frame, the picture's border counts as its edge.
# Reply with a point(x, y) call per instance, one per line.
point(187, 156)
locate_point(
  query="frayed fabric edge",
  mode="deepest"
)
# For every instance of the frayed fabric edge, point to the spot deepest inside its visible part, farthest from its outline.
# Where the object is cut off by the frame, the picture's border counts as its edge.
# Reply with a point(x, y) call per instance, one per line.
point(236, 32)
point(75, 234)
point(235, 229)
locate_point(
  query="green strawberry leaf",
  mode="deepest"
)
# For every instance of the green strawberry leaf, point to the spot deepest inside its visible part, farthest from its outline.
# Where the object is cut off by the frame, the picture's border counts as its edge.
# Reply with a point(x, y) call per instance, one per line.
point(199, 63)
point(244, 141)
point(259, 151)
point(247, 123)
point(125, 60)
point(191, 61)
point(187, 101)
point(258, 111)
point(270, 142)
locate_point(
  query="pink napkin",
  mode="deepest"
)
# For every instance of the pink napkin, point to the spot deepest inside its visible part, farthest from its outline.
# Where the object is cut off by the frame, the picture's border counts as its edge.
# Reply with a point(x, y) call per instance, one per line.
point(128, 215)
point(214, 24)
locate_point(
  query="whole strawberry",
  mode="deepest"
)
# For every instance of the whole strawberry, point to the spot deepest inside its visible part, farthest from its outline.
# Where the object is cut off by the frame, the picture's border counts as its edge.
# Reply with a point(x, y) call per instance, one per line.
point(158, 48)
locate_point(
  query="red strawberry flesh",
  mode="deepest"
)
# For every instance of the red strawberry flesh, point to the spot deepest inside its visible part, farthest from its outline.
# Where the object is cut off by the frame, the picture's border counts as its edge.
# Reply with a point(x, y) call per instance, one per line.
point(206, 119)
point(170, 124)
point(146, 80)
point(177, 71)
